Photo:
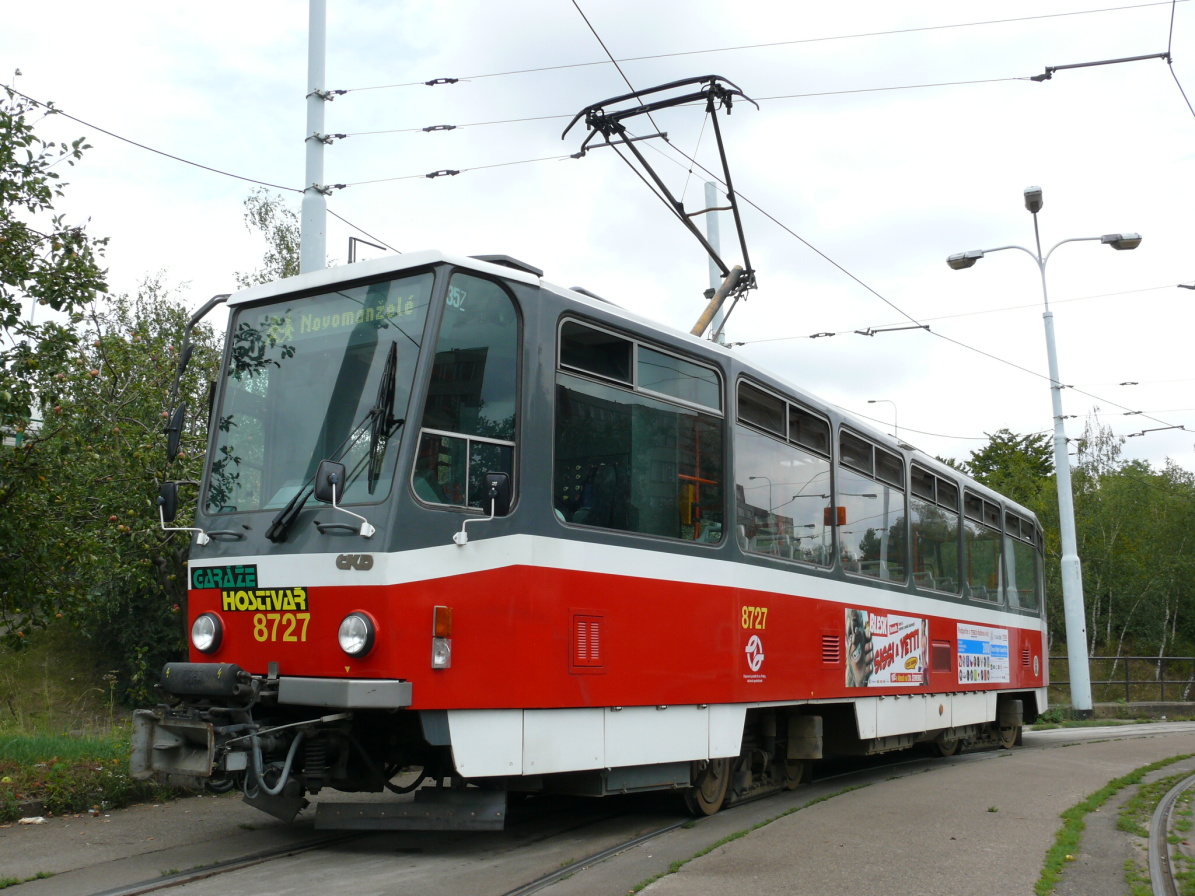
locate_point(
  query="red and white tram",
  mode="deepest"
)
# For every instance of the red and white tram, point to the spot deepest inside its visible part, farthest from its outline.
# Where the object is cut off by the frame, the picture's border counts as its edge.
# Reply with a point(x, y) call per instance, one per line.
point(455, 519)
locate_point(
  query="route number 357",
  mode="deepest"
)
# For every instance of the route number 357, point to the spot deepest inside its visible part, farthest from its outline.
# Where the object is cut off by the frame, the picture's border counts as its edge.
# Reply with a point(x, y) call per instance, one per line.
point(755, 617)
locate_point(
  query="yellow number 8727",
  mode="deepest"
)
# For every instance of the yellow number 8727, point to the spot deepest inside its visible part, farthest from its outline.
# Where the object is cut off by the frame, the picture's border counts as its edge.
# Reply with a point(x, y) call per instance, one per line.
point(266, 626)
point(755, 617)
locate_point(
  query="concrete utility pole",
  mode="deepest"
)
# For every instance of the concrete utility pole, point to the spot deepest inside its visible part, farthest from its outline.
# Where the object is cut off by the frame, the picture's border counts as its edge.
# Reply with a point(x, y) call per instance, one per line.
point(313, 253)
point(714, 237)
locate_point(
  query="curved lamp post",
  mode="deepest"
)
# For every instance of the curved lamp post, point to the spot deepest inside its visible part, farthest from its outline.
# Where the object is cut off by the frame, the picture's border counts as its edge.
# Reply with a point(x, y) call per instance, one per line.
point(1072, 574)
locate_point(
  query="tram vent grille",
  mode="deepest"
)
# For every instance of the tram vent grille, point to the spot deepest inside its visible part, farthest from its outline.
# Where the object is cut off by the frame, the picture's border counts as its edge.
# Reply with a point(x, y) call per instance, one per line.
point(831, 649)
point(586, 642)
point(1024, 656)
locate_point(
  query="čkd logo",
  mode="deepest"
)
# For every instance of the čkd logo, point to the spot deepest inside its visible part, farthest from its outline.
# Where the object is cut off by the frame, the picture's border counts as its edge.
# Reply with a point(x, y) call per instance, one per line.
point(354, 561)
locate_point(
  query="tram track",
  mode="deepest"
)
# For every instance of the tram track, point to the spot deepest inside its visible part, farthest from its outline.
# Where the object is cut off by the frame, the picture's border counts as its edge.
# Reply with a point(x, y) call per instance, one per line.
point(1161, 863)
point(543, 838)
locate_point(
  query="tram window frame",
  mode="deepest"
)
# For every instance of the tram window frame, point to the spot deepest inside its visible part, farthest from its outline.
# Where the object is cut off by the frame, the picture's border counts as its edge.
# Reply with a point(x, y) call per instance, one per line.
point(638, 506)
point(930, 488)
point(856, 453)
point(948, 495)
point(857, 458)
point(616, 370)
point(444, 450)
point(762, 442)
point(890, 468)
point(922, 483)
point(1016, 543)
point(977, 512)
point(808, 431)
point(770, 418)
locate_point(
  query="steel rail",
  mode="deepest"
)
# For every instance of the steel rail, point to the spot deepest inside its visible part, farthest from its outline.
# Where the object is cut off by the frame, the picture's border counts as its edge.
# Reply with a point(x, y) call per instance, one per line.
point(1161, 869)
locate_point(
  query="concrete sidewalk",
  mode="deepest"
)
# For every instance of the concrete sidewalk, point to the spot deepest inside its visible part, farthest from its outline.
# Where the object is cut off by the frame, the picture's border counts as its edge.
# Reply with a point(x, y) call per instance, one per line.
point(982, 824)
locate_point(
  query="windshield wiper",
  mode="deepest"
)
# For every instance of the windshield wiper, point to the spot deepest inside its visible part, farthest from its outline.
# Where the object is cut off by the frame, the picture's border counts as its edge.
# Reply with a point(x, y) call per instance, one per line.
point(287, 515)
point(383, 424)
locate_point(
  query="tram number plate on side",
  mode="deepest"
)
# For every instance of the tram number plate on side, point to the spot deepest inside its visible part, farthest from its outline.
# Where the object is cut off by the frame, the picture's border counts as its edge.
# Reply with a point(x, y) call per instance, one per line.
point(755, 618)
point(280, 626)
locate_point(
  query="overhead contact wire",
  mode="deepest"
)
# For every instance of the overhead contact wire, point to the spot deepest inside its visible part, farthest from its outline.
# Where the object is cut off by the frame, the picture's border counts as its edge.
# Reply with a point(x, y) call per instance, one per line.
point(782, 43)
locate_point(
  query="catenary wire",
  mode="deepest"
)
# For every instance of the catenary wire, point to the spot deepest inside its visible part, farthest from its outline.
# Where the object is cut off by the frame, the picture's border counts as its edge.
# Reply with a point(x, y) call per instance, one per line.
point(790, 96)
point(901, 311)
point(551, 68)
point(57, 111)
point(54, 110)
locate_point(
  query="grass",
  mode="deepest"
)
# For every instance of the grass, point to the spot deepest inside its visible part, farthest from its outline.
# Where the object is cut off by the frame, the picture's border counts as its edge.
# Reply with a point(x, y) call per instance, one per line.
point(64, 739)
point(6, 882)
point(1074, 822)
point(1135, 818)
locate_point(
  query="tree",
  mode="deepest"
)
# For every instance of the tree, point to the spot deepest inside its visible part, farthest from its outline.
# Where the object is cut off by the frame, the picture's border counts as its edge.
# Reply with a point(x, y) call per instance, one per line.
point(279, 225)
point(43, 260)
point(1019, 466)
point(93, 550)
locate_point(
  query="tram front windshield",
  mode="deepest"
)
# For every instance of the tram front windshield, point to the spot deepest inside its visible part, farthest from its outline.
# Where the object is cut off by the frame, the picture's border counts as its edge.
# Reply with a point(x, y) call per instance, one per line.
point(315, 378)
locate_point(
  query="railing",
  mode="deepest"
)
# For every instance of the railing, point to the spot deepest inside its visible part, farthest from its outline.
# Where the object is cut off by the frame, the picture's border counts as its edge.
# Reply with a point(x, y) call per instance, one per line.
point(1129, 679)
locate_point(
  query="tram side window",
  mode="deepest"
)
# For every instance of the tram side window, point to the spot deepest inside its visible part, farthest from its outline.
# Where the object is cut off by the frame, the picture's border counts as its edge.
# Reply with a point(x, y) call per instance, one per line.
point(983, 548)
point(872, 526)
point(1020, 550)
point(782, 490)
point(468, 426)
point(635, 462)
point(934, 519)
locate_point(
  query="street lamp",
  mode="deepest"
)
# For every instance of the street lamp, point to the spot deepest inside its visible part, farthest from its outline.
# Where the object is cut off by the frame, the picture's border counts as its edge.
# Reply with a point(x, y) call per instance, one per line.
point(1072, 574)
point(895, 428)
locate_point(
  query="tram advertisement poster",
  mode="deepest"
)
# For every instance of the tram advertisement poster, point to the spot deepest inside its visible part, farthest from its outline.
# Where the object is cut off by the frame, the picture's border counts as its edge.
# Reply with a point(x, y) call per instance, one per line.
point(885, 650)
point(982, 654)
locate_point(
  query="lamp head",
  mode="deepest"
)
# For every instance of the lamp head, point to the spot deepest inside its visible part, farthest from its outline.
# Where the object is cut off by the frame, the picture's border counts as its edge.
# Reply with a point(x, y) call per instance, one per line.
point(1121, 240)
point(960, 260)
point(1033, 200)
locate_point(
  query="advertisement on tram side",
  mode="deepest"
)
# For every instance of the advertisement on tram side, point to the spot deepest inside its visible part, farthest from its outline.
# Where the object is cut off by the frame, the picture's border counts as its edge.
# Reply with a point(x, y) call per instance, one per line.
point(982, 654)
point(885, 650)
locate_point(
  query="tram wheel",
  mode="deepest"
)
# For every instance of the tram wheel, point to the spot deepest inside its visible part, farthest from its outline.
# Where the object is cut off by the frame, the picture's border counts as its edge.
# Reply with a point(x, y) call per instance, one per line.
point(947, 745)
point(1010, 737)
point(708, 792)
point(795, 771)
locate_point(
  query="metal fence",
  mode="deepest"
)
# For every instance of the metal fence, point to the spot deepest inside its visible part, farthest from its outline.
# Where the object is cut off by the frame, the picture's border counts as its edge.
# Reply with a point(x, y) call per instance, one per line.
point(1129, 679)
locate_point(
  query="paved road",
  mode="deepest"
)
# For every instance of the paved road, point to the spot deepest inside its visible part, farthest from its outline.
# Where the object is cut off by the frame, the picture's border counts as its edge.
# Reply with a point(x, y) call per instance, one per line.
point(923, 826)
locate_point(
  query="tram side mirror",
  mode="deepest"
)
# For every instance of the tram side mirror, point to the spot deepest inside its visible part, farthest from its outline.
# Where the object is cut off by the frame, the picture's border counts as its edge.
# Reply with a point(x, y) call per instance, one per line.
point(329, 481)
point(168, 501)
point(174, 431)
point(495, 493)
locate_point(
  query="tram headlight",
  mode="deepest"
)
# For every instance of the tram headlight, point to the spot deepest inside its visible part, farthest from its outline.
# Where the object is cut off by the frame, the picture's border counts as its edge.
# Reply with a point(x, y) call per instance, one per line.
point(207, 631)
point(356, 634)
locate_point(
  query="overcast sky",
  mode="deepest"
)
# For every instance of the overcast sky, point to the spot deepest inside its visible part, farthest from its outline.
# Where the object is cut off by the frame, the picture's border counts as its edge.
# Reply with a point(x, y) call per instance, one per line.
point(889, 136)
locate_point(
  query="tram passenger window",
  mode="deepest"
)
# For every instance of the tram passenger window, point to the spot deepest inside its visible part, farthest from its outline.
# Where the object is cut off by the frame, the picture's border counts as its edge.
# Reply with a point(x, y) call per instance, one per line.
point(856, 453)
point(872, 538)
point(678, 378)
point(595, 351)
point(1023, 582)
point(761, 410)
point(468, 426)
point(984, 574)
point(634, 462)
point(934, 520)
point(782, 499)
